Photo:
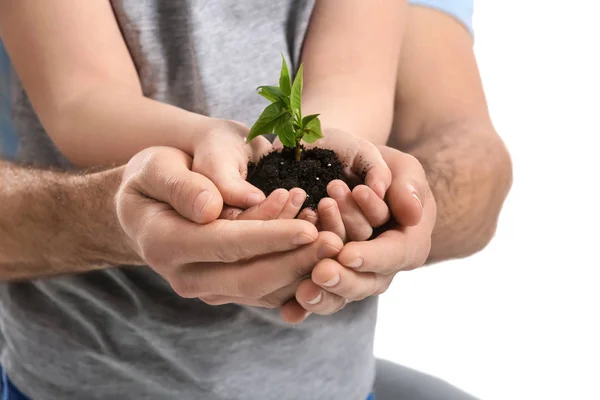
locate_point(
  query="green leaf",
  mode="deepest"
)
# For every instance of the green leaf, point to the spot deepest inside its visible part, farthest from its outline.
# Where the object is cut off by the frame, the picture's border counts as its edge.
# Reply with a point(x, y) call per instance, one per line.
point(271, 93)
point(285, 132)
point(313, 131)
point(306, 120)
point(267, 121)
point(296, 96)
point(284, 79)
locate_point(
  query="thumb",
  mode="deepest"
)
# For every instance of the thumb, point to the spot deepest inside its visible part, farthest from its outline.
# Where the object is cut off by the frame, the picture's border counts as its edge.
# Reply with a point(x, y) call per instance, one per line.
point(164, 174)
point(407, 193)
point(377, 175)
point(229, 178)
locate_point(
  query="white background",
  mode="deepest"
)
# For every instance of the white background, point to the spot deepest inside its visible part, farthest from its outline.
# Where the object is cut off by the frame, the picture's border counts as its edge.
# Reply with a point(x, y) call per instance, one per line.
point(521, 319)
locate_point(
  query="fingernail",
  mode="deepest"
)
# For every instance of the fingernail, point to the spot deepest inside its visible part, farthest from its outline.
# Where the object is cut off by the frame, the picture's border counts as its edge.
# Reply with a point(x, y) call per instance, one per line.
point(253, 199)
point(333, 281)
point(336, 192)
point(302, 238)
point(298, 199)
point(316, 299)
point(413, 192)
point(202, 201)
point(356, 263)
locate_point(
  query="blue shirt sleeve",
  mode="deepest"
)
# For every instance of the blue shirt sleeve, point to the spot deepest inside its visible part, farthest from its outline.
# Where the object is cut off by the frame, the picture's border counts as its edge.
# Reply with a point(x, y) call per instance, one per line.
point(462, 10)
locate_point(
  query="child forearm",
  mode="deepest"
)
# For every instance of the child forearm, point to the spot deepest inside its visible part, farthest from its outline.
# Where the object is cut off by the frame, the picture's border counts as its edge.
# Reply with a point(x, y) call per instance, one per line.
point(351, 56)
point(108, 126)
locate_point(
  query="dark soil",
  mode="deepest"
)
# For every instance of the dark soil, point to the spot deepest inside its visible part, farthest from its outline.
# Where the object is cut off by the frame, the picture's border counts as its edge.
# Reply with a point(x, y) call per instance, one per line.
point(312, 173)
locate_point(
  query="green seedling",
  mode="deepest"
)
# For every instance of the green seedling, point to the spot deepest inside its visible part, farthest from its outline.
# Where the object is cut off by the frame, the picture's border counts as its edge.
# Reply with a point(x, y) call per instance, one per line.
point(284, 115)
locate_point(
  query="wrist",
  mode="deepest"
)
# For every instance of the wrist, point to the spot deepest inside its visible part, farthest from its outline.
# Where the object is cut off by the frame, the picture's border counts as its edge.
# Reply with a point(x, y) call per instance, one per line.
point(364, 116)
point(107, 243)
point(193, 132)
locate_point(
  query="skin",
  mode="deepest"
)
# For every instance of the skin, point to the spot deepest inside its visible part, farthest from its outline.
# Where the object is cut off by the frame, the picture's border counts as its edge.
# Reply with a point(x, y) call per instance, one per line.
point(454, 163)
point(350, 65)
point(442, 124)
point(54, 223)
point(77, 71)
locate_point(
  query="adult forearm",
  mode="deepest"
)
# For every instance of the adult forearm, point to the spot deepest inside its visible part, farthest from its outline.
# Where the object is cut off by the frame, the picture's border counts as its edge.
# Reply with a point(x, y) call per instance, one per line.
point(469, 171)
point(57, 223)
point(351, 56)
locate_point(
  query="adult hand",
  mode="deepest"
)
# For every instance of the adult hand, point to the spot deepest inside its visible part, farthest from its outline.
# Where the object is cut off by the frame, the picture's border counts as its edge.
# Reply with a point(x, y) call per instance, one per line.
point(352, 215)
point(363, 269)
point(166, 211)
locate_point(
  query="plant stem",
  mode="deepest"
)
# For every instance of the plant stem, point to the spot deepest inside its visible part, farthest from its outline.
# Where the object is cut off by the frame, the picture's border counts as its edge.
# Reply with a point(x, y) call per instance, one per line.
point(298, 151)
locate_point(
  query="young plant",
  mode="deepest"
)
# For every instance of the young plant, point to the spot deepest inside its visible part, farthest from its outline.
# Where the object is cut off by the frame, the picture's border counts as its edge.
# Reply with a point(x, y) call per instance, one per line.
point(284, 115)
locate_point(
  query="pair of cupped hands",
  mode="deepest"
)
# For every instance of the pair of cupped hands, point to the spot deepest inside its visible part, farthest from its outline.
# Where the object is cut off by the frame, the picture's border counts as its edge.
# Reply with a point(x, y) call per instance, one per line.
point(212, 235)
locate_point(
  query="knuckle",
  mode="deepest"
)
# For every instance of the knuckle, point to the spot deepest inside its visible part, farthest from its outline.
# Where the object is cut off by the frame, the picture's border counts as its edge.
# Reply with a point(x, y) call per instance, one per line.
point(177, 189)
point(148, 167)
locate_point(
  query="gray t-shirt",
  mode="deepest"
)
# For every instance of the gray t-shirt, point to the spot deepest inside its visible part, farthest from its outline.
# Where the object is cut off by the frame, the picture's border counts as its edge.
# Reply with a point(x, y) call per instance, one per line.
point(123, 333)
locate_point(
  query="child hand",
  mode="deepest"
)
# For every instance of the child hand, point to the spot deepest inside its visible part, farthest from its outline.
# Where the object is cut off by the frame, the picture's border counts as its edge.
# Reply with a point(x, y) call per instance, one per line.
point(351, 215)
point(221, 154)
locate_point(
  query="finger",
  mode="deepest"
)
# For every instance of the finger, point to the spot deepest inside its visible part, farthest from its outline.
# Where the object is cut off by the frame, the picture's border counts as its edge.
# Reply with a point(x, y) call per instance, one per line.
point(292, 207)
point(371, 164)
point(405, 251)
point(357, 225)
point(259, 276)
point(346, 282)
point(258, 147)
point(293, 313)
point(280, 204)
point(164, 174)
point(230, 213)
point(167, 239)
point(372, 207)
point(406, 204)
point(274, 300)
point(409, 189)
point(268, 209)
point(331, 218)
point(309, 215)
point(282, 296)
point(228, 172)
point(316, 300)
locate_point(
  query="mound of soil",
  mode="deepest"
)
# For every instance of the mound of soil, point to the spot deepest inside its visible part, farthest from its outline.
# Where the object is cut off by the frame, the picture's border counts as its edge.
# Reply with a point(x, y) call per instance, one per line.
point(279, 169)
